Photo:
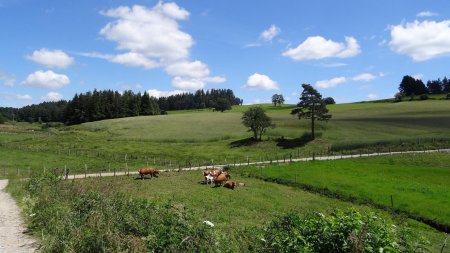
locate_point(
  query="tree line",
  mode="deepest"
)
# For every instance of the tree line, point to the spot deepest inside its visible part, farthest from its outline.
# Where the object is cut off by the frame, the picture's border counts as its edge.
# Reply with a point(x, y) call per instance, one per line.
point(108, 104)
point(411, 86)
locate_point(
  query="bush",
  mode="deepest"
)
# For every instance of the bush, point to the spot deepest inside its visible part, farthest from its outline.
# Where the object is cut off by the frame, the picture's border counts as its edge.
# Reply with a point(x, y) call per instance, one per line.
point(342, 231)
point(423, 97)
point(71, 220)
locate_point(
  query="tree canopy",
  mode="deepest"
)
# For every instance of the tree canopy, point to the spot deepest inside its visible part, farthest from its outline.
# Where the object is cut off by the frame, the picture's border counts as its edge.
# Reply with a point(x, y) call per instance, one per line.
point(311, 106)
point(277, 99)
point(257, 121)
point(411, 86)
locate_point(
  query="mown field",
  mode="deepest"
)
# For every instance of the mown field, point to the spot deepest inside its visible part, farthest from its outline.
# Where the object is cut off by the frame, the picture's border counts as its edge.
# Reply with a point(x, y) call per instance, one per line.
point(206, 137)
point(418, 184)
point(231, 211)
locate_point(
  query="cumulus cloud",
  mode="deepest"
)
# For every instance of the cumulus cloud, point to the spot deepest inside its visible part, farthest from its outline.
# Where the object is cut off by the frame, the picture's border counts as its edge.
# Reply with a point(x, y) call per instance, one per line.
point(270, 33)
point(152, 38)
point(261, 82)
point(331, 82)
point(51, 58)
point(47, 79)
point(421, 40)
point(8, 80)
point(191, 75)
point(23, 97)
point(364, 77)
point(426, 14)
point(52, 96)
point(159, 93)
point(317, 47)
point(153, 33)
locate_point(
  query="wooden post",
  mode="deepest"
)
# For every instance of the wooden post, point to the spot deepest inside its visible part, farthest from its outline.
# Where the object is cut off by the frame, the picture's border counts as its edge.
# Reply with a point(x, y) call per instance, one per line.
point(65, 172)
point(290, 157)
point(314, 156)
point(392, 202)
point(114, 171)
point(85, 170)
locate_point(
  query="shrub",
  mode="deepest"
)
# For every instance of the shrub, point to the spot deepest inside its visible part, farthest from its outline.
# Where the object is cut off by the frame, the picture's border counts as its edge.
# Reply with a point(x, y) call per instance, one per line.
point(342, 231)
point(423, 97)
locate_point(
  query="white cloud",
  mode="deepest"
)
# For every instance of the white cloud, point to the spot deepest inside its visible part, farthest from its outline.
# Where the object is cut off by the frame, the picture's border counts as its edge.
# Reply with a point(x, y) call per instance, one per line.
point(372, 96)
point(153, 33)
point(334, 65)
point(46, 79)
point(158, 93)
point(191, 75)
point(51, 58)
point(331, 82)
point(52, 96)
point(152, 38)
point(7, 80)
point(261, 82)
point(23, 97)
point(421, 40)
point(364, 77)
point(317, 47)
point(426, 14)
point(133, 60)
point(270, 33)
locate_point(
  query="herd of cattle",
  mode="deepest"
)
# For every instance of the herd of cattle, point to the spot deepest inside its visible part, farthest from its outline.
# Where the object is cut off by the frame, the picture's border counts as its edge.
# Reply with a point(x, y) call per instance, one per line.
point(218, 177)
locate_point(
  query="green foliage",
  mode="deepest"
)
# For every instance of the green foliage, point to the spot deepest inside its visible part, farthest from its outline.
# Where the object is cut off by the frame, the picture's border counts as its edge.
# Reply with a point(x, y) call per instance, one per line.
point(277, 99)
point(423, 97)
point(341, 231)
point(329, 101)
point(411, 86)
point(311, 106)
point(2, 119)
point(222, 104)
point(70, 219)
point(256, 119)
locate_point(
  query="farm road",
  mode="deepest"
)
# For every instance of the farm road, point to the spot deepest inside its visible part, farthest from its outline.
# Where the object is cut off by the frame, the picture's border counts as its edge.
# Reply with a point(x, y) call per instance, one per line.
point(287, 160)
point(12, 231)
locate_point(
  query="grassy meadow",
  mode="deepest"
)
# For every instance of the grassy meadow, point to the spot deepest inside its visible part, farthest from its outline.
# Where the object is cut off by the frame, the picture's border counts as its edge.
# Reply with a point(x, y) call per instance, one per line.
point(419, 184)
point(230, 211)
point(206, 137)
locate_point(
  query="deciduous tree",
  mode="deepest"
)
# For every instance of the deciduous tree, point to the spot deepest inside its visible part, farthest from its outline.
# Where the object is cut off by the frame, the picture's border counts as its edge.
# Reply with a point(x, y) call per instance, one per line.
point(257, 120)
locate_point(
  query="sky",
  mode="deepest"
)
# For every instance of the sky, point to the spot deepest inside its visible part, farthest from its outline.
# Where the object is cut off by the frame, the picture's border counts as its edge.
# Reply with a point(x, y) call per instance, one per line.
point(351, 50)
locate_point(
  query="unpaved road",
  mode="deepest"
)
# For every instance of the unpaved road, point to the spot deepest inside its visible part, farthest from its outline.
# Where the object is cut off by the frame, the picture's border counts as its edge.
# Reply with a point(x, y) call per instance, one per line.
point(12, 237)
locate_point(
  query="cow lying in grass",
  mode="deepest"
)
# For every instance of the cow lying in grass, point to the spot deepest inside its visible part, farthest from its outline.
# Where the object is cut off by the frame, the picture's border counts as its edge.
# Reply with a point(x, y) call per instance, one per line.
point(148, 171)
point(230, 185)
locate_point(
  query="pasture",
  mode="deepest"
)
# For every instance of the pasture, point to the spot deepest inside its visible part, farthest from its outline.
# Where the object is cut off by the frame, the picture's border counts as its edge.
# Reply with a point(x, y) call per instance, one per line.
point(419, 184)
point(206, 137)
point(231, 211)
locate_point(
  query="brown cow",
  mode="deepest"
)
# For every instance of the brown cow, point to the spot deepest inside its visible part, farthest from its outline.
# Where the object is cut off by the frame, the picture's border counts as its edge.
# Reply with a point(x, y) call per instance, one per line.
point(230, 185)
point(219, 180)
point(148, 171)
point(240, 184)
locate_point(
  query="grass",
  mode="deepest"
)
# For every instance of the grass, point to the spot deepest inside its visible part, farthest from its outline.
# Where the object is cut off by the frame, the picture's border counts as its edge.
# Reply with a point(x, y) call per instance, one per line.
point(230, 210)
point(206, 137)
point(417, 183)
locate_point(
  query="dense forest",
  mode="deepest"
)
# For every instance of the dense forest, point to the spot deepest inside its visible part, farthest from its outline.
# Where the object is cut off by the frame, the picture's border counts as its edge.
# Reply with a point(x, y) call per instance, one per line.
point(108, 104)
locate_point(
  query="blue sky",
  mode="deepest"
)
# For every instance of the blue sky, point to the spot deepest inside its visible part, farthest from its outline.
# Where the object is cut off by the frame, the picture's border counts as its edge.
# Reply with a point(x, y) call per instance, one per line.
point(350, 50)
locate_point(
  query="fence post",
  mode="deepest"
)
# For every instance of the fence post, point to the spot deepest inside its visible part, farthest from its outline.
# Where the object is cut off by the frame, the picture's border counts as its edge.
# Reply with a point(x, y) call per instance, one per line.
point(290, 157)
point(85, 170)
point(392, 202)
point(114, 171)
point(248, 161)
point(65, 172)
point(314, 156)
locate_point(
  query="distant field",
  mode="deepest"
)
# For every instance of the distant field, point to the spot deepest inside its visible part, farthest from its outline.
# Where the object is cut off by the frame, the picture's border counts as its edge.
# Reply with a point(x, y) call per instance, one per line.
point(206, 137)
point(419, 184)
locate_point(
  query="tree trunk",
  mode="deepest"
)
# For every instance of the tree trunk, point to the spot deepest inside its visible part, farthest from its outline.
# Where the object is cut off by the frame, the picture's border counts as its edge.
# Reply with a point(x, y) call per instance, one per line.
point(255, 135)
point(313, 136)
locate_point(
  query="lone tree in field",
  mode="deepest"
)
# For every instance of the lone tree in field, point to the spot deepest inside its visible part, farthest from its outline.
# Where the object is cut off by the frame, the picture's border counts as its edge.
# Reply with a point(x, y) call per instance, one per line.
point(256, 119)
point(311, 106)
point(277, 99)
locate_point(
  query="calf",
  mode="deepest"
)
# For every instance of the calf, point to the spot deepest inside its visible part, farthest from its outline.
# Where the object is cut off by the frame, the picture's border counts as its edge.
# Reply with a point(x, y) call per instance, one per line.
point(148, 171)
point(219, 180)
point(230, 185)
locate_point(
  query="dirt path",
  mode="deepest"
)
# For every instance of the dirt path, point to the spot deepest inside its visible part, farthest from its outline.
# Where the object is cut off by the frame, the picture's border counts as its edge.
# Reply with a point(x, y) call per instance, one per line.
point(12, 237)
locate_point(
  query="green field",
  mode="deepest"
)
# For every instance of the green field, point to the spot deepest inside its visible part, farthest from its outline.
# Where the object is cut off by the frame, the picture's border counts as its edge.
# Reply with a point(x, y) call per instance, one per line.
point(419, 184)
point(206, 137)
point(231, 210)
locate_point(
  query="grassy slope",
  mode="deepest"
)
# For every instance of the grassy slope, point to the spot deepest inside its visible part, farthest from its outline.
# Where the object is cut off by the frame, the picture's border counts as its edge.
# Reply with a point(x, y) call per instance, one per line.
point(419, 184)
point(252, 205)
point(201, 136)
